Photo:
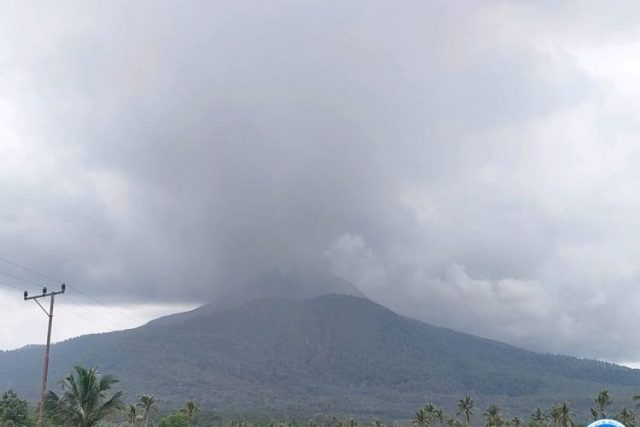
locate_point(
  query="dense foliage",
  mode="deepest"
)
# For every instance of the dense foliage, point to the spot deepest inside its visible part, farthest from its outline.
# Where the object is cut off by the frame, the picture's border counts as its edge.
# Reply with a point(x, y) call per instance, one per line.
point(85, 399)
point(14, 411)
point(88, 400)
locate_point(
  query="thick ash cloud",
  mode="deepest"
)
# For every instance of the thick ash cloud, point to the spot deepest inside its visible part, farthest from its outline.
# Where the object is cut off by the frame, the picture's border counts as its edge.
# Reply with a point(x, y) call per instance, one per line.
point(474, 166)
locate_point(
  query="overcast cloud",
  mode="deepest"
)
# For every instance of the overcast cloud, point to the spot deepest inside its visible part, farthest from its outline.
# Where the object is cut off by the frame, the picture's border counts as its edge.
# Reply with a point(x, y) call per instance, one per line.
point(473, 165)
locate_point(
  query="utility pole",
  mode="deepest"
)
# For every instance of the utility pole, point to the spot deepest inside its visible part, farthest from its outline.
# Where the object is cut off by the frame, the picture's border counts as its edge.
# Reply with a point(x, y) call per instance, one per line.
point(45, 369)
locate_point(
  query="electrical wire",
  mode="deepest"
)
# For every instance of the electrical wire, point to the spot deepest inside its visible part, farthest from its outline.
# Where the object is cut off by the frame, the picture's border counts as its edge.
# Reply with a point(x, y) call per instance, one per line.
point(104, 316)
point(29, 282)
point(96, 321)
point(89, 297)
point(8, 261)
point(89, 319)
point(84, 294)
point(2, 282)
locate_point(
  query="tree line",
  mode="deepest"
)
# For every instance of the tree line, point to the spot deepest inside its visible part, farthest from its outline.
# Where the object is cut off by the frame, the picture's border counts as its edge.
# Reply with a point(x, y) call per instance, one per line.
point(87, 399)
point(560, 415)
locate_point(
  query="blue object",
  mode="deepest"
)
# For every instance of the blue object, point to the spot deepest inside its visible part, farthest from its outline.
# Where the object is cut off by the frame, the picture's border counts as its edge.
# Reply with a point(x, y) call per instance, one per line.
point(606, 423)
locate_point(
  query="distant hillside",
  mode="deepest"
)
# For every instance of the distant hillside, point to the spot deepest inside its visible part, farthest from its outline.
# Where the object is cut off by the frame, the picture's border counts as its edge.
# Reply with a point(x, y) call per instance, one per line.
point(333, 353)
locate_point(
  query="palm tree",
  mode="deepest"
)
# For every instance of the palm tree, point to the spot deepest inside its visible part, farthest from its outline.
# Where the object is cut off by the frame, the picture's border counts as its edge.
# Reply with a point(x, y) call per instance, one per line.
point(190, 408)
point(538, 418)
point(516, 422)
point(350, 423)
point(493, 418)
point(465, 406)
point(421, 419)
point(378, 423)
point(554, 414)
point(148, 405)
point(603, 400)
point(627, 417)
point(132, 416)
point(85, 398)
point(562, 415)
point(433, 412)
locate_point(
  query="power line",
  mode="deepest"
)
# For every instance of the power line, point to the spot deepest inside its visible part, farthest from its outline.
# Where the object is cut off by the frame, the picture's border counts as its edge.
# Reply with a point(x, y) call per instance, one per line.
point(10, 285)
point(88, 307)
point(37, 285)
point(82, 316)
point(80, 305)
point(89, 297)
point(8, 261)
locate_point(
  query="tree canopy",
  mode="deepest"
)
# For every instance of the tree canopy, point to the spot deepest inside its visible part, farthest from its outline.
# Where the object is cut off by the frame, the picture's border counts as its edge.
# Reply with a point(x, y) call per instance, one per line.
point(85, 400)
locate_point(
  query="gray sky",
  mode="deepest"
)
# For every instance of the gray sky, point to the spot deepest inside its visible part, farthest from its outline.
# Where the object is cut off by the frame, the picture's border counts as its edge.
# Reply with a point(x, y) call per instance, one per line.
point(472, 164)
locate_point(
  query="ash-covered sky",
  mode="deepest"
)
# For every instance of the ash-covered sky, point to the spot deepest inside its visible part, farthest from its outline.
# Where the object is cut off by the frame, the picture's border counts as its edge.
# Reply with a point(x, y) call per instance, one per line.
point(472, 164)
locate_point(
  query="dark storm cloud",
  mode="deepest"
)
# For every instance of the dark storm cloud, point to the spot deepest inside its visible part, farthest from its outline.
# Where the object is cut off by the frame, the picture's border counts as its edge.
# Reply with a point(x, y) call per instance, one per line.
point(438, 154)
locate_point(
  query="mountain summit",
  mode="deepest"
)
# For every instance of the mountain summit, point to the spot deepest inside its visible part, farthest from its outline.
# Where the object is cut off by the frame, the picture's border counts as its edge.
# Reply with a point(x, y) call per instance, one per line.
point(294, 284)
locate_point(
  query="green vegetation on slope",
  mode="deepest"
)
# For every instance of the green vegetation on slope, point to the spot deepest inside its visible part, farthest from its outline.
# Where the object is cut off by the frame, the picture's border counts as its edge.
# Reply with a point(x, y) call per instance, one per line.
point(333, 353)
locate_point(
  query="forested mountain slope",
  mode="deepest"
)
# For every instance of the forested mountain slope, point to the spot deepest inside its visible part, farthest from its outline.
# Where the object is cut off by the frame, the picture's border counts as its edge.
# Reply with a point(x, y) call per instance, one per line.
point(332, 353)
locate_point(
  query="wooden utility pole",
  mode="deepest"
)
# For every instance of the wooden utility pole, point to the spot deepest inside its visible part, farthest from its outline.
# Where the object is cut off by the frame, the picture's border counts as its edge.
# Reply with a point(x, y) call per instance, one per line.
point(45, 369)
